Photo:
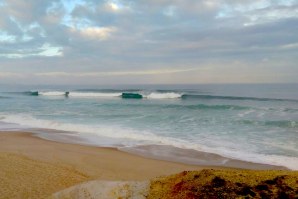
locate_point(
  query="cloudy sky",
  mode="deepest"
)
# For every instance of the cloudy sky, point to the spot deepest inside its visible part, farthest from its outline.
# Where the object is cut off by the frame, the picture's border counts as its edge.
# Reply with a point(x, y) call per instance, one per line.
point(148, 41)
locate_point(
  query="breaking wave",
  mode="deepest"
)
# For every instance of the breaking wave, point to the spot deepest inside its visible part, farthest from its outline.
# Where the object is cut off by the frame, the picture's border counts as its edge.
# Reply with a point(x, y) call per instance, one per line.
point(170, 95)
point(137, 94)
point(93, 94)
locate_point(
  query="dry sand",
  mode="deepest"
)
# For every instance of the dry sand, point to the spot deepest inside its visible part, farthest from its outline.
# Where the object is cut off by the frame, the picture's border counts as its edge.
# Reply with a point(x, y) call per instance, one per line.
point(21, 177)
point(31, 167)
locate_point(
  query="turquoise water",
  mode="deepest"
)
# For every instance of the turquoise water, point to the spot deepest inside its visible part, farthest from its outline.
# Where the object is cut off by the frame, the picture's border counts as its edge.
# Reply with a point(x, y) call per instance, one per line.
point(256, 123)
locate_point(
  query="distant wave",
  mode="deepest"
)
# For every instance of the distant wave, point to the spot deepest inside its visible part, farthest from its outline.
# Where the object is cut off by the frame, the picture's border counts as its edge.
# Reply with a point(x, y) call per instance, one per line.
point(131, 96)
point(93, 94)
point(147, 95)
point(187, 96)
point(107, 90)
point(168, 95)
point(135, 95)
point(53, 93)
point(46, 93)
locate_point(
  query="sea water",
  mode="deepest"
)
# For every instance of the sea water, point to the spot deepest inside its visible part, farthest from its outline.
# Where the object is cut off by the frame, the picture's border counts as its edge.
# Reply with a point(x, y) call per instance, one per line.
point(255, 123)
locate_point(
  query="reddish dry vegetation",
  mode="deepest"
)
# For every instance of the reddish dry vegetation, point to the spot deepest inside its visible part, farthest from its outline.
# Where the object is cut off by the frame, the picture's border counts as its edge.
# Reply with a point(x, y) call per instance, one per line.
point(211, 184)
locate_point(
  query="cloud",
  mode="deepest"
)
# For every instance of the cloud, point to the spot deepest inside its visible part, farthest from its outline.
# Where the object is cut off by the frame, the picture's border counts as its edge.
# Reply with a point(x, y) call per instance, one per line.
point(10, 75)
point(146, 37)
point(98, 33)
point(46, 50)
point(115, 73)
point(290, 46)
point(271, 14)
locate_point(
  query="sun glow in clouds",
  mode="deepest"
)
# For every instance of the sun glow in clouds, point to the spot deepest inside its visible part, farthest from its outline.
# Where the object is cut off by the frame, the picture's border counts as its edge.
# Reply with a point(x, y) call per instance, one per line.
point(96, 33)
point(117, 6)
point(113, 6)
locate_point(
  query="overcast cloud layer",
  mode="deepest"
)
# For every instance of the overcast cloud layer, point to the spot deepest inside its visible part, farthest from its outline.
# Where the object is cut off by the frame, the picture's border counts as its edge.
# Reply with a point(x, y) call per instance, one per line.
point(148, 41)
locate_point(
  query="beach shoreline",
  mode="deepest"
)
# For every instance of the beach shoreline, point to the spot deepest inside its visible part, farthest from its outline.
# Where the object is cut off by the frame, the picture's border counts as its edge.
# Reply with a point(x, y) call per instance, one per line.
point(156, 152)
point(24, 157)
point(90, 159)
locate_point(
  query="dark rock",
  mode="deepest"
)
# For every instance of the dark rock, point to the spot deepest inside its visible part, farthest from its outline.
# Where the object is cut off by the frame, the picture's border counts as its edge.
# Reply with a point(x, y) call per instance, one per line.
point(247, 191)
point(283, 195)
point(288, 188)
point(271, 182)
point(265, 195)
point(218, 182)
point(196, 176)
point(262, 187)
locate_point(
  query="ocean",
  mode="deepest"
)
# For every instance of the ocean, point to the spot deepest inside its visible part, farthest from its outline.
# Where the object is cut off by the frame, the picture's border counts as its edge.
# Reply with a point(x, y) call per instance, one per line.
point(249, 122)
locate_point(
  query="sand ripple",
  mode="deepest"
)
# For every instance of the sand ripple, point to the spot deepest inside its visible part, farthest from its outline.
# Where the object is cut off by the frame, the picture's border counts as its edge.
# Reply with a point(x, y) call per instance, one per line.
point(21, 177)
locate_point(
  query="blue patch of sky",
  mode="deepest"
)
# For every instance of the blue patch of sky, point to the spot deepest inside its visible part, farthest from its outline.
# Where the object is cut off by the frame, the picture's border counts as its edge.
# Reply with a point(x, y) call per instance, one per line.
point(287, 2)
point(24, 29)
point(6, 38)
point(2, 3)
point(225, 12)
point(170, 11)
point(254, 6)
point(78, 23)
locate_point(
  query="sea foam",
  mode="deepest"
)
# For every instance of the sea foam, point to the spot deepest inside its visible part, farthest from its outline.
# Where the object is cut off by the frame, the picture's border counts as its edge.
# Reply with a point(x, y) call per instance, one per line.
point(52, 93)
point(93, 94)
point(170, 95)
point(152, 95)
point(131, 138)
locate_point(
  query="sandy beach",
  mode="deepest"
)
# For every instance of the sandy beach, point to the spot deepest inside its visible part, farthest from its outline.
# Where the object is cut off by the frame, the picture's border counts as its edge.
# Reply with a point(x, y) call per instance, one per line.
point(115, 99)
point(34, 167)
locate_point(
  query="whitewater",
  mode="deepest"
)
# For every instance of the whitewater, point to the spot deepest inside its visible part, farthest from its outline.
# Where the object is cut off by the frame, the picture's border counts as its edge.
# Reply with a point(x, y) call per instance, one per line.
point(254, 123)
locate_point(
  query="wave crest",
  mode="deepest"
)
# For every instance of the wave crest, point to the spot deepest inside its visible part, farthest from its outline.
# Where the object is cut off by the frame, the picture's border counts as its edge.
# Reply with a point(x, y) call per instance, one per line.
point(93, 94)
point(152, 95)
point(170, 95)
point(53, 93)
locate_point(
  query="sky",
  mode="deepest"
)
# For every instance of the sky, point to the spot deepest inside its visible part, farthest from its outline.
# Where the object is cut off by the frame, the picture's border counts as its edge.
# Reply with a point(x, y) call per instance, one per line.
point(148, 41)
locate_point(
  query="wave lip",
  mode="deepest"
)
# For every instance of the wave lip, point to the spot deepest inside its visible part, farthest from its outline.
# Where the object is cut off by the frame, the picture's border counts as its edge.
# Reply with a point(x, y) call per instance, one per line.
point(93, 94)
point(169, 95)
point(53, 93)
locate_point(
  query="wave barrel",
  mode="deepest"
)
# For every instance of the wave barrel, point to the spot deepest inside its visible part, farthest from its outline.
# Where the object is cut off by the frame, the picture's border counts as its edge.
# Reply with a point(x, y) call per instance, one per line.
point(131, 96)
point(33, 93)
